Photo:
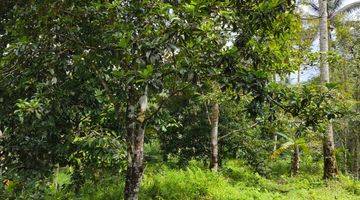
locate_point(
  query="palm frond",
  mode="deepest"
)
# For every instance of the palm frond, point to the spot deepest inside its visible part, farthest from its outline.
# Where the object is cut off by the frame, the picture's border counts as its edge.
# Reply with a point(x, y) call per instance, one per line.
point(333, 5)
point(301, 142)
point(337, 4)
point(285, 136)
point(314, 7)
point(349, 8)
point(282, 148)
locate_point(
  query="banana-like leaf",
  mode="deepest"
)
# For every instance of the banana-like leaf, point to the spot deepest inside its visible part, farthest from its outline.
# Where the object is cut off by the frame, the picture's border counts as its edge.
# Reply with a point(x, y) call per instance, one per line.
point(285, 136)
point(282, 148)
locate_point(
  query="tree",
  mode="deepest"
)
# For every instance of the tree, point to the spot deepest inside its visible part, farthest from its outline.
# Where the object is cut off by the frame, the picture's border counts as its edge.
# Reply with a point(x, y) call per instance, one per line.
point(344, 72)
point(334, 8)
point(125, 60)
point(330, 167)
point(85, 67)
point(326, 12)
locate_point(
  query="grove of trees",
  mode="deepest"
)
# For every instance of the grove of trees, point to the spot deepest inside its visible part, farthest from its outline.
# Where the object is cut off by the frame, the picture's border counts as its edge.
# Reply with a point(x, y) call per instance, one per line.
point(92, 90)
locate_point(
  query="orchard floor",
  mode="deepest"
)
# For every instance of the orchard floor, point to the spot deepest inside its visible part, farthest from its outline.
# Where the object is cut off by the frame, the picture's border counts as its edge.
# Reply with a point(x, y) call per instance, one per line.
point(232, 182)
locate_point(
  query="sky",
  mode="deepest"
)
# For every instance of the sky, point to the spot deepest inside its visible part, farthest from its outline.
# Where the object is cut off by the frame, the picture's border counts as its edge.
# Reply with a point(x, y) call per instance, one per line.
point(349, 1)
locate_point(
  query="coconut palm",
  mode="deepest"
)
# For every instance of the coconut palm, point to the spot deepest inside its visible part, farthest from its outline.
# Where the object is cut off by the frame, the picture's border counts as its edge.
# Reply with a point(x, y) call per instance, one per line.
point(311, 16)
point(324, 13)
point(334, 8)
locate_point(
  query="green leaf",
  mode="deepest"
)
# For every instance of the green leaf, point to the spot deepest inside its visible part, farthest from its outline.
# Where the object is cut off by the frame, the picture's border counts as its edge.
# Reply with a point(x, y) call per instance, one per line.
point(123, 42)
point(282, 148)
point(285, 136)
point(331, 85)
point(147, 72)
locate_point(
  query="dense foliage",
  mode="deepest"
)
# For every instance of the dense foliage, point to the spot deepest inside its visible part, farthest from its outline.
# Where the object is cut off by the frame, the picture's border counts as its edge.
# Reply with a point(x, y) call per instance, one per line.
point(101, 92)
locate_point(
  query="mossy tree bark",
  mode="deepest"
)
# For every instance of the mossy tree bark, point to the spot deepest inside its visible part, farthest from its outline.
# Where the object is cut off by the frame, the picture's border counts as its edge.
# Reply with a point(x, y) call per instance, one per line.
point(135, 130)
point(295, 163)
point(214, 162)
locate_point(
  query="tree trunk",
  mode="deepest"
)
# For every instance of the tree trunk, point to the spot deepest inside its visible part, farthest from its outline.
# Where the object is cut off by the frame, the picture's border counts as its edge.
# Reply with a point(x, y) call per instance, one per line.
point(275, 141)
point(345, 151)
point(214, 164)
point(135, 130)
point(295, 163)
point(330, 168)
point(356, 168)
point(299, 75)
point(324, 42)
point(356, 133)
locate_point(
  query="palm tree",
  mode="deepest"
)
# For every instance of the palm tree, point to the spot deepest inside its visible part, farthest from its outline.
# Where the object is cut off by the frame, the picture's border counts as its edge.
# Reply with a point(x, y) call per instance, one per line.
point(325, 11)
point(330, 167)
point(334, 8)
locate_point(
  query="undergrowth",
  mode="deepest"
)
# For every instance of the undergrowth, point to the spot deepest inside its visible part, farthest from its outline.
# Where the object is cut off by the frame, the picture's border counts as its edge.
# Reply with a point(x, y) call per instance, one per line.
point(235, 181)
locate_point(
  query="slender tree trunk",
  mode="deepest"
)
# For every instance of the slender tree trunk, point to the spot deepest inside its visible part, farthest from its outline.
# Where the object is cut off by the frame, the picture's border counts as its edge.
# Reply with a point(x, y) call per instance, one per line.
point(295, 163)
point(344, 146)
point(356, 168)
point(299, 75)
point(330, 167)
point(135, 130)
point(214, 163)
point(324, 42)
point(275, 136)
point(357, 135)
point(275, 142)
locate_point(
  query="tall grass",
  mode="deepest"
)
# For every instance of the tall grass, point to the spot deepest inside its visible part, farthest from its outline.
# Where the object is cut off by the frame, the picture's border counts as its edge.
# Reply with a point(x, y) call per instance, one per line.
point(235, 181)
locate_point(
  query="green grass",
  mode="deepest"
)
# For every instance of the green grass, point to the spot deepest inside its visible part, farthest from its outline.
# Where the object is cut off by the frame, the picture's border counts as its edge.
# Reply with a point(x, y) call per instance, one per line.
point(235, 181)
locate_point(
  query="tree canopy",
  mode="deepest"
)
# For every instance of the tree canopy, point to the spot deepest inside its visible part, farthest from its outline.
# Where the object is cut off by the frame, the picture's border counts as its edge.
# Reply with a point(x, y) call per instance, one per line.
point(92, 88)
